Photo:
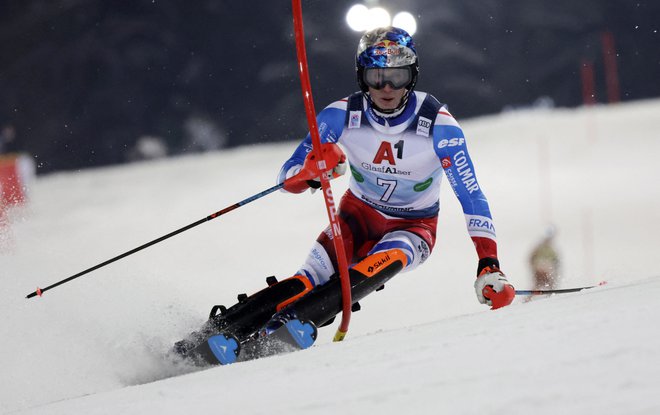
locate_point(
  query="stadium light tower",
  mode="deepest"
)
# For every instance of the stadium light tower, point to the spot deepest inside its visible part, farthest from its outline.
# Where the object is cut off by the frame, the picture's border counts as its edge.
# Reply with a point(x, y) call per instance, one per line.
point(362, 18)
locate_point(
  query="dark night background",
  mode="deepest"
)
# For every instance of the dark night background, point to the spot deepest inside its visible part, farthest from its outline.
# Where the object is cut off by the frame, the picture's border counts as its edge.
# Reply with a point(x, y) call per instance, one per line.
point(82, 81)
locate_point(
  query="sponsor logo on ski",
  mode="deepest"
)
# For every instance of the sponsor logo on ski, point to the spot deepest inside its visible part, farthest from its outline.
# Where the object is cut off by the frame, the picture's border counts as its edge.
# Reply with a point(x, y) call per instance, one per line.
point(446, 162)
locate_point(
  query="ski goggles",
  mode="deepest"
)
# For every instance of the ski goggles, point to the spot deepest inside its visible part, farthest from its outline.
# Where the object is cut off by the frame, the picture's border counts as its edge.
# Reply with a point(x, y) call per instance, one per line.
point(397, 78)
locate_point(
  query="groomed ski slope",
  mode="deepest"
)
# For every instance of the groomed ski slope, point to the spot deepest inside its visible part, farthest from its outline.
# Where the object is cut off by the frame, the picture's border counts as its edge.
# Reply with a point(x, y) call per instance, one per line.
point(422, 345)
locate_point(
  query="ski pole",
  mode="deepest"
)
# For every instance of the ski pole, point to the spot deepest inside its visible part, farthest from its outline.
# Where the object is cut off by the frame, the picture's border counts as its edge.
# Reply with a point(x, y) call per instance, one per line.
point(212, 216)
point(337, 238)
point(560, 291)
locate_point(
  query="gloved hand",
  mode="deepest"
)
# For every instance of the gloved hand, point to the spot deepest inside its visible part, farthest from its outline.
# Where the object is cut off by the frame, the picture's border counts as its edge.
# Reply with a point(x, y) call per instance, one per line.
point(493, 288)
point(334, 163)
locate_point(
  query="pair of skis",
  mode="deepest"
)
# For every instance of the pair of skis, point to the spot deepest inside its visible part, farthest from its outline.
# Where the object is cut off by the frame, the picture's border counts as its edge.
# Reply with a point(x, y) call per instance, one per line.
point(224, 349)
point(294, 335)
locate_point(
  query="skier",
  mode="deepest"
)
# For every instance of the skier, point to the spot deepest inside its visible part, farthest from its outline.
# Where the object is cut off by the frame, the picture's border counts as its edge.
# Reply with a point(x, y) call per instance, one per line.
point(398, 142)
point(544, 261)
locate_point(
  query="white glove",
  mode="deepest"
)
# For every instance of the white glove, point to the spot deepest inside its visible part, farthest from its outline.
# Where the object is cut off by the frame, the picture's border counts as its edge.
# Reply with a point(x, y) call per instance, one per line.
point(339, 170)
point(494, 289)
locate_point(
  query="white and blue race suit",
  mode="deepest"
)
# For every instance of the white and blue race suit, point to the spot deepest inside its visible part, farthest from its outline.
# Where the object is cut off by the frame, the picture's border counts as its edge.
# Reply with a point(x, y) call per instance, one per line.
point(397, 164)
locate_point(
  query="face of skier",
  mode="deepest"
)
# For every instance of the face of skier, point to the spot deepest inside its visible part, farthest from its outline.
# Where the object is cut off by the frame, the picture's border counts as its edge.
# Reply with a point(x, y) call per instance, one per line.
point(387, 98)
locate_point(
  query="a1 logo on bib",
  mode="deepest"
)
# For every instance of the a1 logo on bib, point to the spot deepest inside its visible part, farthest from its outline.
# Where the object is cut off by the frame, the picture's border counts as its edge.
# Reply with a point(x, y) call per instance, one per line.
point(385, 152)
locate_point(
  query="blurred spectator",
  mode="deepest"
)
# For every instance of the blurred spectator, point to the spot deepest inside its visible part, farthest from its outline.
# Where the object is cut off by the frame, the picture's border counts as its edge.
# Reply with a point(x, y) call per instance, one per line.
point(203, 134)
point(7, 136)
point(148, 147)
point(17, 170)
point(544, 261)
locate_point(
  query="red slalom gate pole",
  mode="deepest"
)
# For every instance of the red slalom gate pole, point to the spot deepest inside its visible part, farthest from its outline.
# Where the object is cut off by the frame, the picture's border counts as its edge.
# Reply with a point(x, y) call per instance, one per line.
point(588, 82)
point(611, 70)
point(325, 181)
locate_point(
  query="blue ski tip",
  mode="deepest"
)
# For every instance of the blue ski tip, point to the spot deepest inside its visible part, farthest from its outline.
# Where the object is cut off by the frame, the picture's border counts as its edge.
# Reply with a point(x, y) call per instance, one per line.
point(224, 348)
point(303, 333)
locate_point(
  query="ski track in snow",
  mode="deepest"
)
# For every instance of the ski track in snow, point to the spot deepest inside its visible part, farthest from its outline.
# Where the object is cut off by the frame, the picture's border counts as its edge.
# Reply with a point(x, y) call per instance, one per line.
point(423, 345)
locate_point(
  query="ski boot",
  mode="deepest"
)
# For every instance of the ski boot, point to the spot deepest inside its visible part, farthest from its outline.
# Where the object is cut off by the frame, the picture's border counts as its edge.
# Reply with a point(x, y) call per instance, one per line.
point(249, 315)
point(264, 312)
point(324, 302)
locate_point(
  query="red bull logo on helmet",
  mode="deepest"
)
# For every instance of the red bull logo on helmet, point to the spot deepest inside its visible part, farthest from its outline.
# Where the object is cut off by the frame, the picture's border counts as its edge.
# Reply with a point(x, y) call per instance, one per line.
point(387, 47)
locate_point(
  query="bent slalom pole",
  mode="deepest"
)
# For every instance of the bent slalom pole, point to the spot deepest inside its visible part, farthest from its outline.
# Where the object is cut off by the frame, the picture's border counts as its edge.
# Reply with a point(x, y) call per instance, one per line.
point(325, 181)
point(212, 216)
point(559, 291)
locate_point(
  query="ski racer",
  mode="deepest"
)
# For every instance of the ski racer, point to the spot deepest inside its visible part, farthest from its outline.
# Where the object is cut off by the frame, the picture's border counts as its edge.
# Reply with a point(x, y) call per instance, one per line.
point(397, 143)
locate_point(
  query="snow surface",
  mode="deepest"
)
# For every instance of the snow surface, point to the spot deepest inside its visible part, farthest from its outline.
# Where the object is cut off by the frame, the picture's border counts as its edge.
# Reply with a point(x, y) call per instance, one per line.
point(422, 345)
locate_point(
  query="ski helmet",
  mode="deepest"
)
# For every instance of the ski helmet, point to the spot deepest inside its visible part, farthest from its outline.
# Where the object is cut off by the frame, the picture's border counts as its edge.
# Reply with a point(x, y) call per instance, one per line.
point(386, 47)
